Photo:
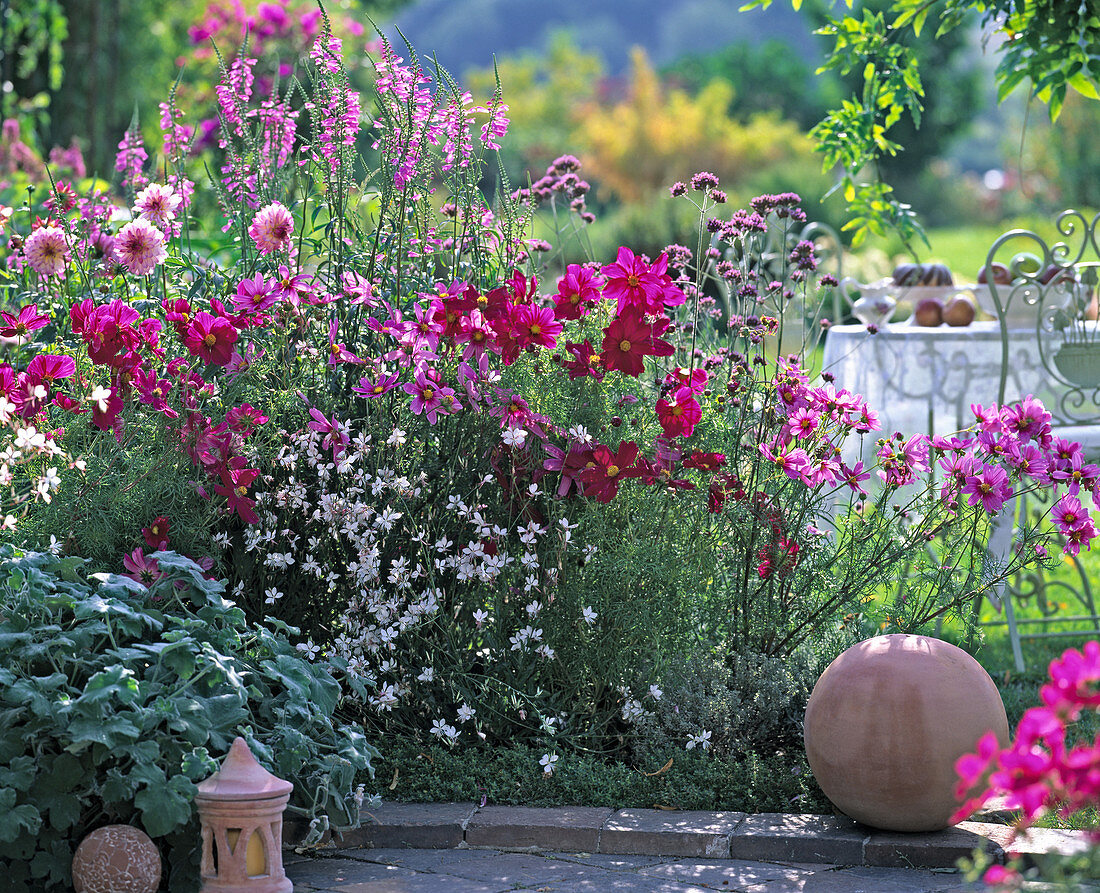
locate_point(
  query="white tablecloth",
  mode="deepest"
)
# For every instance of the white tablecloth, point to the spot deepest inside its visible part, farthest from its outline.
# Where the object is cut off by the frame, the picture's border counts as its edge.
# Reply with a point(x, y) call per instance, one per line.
point(923, 380)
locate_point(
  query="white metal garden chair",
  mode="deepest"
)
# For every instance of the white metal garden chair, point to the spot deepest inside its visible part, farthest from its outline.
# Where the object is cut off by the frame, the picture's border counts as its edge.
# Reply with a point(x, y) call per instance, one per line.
point(1048, 288)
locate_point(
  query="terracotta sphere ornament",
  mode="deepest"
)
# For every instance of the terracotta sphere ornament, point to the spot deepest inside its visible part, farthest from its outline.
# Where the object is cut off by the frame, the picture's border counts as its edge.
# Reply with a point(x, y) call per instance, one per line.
point(116, 859)
point(886, 723)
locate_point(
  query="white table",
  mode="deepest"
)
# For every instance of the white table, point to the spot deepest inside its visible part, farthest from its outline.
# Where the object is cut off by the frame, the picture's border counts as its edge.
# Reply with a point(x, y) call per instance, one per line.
point(923, 379)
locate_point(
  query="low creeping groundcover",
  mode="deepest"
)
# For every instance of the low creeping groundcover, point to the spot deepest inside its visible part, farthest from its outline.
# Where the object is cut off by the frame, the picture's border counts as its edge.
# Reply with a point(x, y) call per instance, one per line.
point(506, 498)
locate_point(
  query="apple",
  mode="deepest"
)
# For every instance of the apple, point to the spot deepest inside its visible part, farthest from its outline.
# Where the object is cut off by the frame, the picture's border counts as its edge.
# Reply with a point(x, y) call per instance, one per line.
point(929, 312)
point(959, 311)
point(1001, 274)
point(1056, 274)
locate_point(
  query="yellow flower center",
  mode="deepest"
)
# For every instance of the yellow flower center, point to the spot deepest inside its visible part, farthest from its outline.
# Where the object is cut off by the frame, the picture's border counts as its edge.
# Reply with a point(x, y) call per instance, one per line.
point(632, 281)
point(210, 340)
point(535, 329)
point(612, 470)
point(624, 346)
point(427, 394)
point(241, 491)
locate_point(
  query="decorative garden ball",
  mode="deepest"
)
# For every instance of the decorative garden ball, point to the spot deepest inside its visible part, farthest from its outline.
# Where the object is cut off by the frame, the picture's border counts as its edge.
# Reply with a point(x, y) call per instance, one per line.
point(886, 723)
point(116, 859)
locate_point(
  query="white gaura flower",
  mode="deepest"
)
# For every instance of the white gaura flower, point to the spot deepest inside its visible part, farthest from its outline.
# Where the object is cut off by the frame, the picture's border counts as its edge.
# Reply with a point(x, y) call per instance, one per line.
point(548, 762)
point(465, 712)
point(427, 674)
point(272, 595)
point(397, 438)
point(480, 617)
point(514, 437)
point(589, 615)
point(702, 740)
point(655, 693)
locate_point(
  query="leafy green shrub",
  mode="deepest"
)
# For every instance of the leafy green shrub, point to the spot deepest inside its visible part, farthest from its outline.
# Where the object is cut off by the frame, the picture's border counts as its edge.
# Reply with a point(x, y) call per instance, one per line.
point(749, 782)
point(749, 703)
point(115, 701)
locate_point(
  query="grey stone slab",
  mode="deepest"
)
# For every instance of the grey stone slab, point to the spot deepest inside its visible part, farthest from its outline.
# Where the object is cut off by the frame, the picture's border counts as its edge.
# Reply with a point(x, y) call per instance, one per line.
point(933, 849)
point(526, 869)
point(561, 829)
point(775, 837)
point(896, 880)
point(329, 873)
point(1034, 843)
point(665, 833)
point(418, 825)
point(724, 874)
point(421, 883)
point(615, 862)
point(417, 860)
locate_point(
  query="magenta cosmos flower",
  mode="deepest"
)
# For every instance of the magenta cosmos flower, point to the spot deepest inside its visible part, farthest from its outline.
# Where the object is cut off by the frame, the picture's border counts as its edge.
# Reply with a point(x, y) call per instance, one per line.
point(535, 325)
point(680, 415)
point(26, 321)
point(46, 251)
point(272, 228)
point(140, 247)
point(211, 338)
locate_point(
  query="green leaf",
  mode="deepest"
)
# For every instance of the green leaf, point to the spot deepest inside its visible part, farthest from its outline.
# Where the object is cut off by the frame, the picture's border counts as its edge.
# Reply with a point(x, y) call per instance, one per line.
point(167, 807)
point(16, 818)
point(19, 773)
point(111, 731)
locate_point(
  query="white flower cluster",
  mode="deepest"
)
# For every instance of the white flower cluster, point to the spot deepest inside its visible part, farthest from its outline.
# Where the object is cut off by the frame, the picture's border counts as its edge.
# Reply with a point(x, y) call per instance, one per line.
point(358, 528)
point(30, 463)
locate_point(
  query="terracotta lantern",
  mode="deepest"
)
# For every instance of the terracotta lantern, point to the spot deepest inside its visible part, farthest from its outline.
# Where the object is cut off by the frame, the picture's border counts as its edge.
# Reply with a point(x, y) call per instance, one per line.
point(886, 723)
point(241, 813)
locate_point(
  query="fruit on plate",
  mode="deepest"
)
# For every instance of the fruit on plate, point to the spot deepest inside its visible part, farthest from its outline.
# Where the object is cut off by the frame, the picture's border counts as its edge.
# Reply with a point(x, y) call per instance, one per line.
point(1056, 274)
point(959, 311)
point(1001, 274)
point(929, 312)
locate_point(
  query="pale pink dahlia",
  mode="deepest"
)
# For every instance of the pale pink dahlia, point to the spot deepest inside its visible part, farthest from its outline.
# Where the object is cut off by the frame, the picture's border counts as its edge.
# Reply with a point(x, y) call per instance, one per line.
point(157, 204)
point(140, 247)
point(272, 228)
point(46, 251)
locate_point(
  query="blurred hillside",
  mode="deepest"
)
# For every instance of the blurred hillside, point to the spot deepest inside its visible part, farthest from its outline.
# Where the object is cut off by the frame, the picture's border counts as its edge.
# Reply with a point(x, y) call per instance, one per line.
point(466, 34)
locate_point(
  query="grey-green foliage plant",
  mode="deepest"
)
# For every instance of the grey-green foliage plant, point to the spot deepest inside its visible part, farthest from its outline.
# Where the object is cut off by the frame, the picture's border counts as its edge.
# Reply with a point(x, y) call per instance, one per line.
point(749, 702)
point(116, 700)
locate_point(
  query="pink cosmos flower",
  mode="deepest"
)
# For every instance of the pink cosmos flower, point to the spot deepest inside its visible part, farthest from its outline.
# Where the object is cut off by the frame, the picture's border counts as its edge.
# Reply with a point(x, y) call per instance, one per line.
point(578, 292)
point(535, 326)
point(26, 321)
point(989, 487)
point(679, 417)
point(152, 390)
point(429, 397)
point(157, 204)
point(609, 469)
point(586, 361)
point(140, 247)
point(634, 283)
point(372, 389)
point(292, 288)
point(336, 435)
point(211, 338)
point(628, 340)
point(795, 464)
point(47, 368)
point(272, 228)
point(234, 487)
point(46, 251)
point(337, 352)
point(254, 295)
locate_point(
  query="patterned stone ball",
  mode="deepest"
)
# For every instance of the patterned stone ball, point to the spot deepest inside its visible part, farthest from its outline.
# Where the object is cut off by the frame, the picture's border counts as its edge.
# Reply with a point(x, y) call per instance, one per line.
point(886, 723)
point(116, 859)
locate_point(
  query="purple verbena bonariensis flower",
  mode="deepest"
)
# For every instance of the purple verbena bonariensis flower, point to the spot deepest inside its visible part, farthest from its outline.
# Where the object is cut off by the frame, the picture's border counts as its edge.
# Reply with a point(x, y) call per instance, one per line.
point(130, 161)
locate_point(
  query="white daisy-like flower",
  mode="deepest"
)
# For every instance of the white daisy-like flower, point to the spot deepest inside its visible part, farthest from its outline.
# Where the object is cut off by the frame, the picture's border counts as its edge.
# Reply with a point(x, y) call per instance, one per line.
point(465, 712)
point(309, 649)
point(589, 615)
point(548, 762)
point(702, 741)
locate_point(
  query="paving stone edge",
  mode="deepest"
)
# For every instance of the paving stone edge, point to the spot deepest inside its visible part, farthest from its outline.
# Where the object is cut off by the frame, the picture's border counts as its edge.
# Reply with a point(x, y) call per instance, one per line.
point(762, 837)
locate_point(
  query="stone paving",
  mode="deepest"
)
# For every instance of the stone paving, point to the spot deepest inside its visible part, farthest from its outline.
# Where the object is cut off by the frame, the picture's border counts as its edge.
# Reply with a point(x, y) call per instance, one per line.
point(461, 848)
point(496, 871)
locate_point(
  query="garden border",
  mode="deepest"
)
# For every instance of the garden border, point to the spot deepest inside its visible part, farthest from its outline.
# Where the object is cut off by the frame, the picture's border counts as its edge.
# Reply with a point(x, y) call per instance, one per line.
point(765, 837)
